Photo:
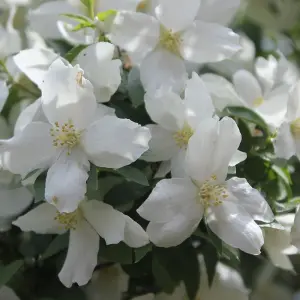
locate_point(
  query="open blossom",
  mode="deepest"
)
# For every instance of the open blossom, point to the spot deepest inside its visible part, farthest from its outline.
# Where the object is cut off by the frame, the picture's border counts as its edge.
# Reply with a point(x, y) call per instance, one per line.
point(287, 142)
point(176, 206)
point(177, 121)
point(162, 42)
point(89, 221)
point(75, 132)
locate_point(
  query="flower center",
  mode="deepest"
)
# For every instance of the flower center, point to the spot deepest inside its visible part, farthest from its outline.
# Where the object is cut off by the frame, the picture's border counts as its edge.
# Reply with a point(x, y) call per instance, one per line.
point(295, 128)
point(211, 194)
point(258, 101)
point(183, 136)
point(79, 79)
point(65, 135)
point(69, 220)
point(170, 40)
point(142, 6)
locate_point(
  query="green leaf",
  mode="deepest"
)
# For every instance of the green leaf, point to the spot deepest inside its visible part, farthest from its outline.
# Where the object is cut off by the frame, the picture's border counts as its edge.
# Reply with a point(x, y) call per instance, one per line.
point(102, 16)
point(119, 253)
point(133, 175)
point(89, 4)
point(135, 89)
point(78, 18)
point(82, 26)
point(8, 271)
point(92, 181)
point(211, 258)
point(72, 54)
point(58, 244)
point(141, 252)
point(39, 190)
point(246, 114)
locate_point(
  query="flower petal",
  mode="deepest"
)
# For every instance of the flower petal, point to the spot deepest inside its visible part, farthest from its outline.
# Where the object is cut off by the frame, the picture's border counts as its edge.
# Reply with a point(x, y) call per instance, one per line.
point(178, 164)
point(29, 150)
point(197, 101)
point(161, 68)
point(170, 13)
point(34, 63)
point(40, 220)
point(135, 32)
point(284, 143)
point(97, 57)
point(211, 148)
point(82, 255)
point(4, 92)
point(218, 11)
point(170, 114)
point(237, 158)
point(107, 221)
point(209, 42)
point(169, 198)
point(293, 108)
point(162, 145)
point(66, 94)
point(247, 87)
point(235, 226)
point(6, 293)
point(66, 183)
point(114, 143)
point(251, 199)
point(134, 235)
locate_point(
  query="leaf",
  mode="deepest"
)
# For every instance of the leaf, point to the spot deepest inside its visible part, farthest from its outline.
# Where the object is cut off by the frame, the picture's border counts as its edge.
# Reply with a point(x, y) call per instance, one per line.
point(141, 252)
point(246, 114)
point(89, 4)
point(92, 182)
point(39, 190)
point(135, 89)
point(8, 271)
point(102, 16)
point(72, 54)
point(120, 253)
point(211, 258)
point(133, 175)
point(78, 18)
point(58, 244)
point(82, 26)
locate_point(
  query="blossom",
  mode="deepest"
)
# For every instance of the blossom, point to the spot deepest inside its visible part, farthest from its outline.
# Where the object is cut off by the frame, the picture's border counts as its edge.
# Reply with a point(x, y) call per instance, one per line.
point(278, 241)
point(75, 132)
point(287, 139)
point(89, 221)
point(177, 121)
point(176, 206)
point(162, 42)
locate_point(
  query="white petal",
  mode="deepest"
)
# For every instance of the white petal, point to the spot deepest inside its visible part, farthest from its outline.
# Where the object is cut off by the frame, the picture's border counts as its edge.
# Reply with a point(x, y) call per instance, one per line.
point(293, 109)
point(135, 32)
point(247, 87)
point(134, 235)
point(222, 91)
point(237, 158)
point(209, 42)
point(169, 198)
point(161, 68)
point(14, 201)
point(40, 220)
point(128, 5)
point(82, 255)
point(107, 221)
point(236, 227)
point(66, 183)
point(197, 101)
point(162, 145)
point(178, 164)
point(251, 199)
point(170, 114)
point(170, 13)
point(66, 94)
point(114, 143)
point(6, 293)
point(3, 94)
point(100, 69)
point(29, 150)
point(218, 11)
point(284, 143)
point(163, 170)
point(34, 63)
point(211, 148)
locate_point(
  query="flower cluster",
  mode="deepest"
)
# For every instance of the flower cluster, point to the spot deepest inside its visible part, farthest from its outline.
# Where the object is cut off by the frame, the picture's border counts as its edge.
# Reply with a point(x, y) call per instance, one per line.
point(136, 108)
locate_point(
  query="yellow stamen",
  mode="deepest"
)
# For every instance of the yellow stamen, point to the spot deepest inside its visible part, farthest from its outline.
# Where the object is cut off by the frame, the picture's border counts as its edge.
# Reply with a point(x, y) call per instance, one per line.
point(183, 136)
point(79, 79)
point(170, 40)
point(295, 128)
point(258, 101)
point(69, 220)
point(142, 6)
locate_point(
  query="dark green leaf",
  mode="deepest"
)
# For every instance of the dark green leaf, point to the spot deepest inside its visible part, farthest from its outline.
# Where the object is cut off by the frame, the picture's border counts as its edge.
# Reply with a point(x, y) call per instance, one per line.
point(39, 190)
point(135, 89)
point(58, 244)
point(8, 271)
point(134, 175)
point(211, 258)
point(120, 253)
point(72, 54)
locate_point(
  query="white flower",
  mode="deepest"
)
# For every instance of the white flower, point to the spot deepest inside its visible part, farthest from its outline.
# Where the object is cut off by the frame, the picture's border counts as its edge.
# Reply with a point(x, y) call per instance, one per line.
point(227, 285)
point(268, 97)
point(6, 293)
point(76, 132)
point(91, 220)
point(278, 241)
point(177, 121)
point(287, 142)
point(163, 42)
point(108, 283)
point(176, 206)
point(101, 69)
